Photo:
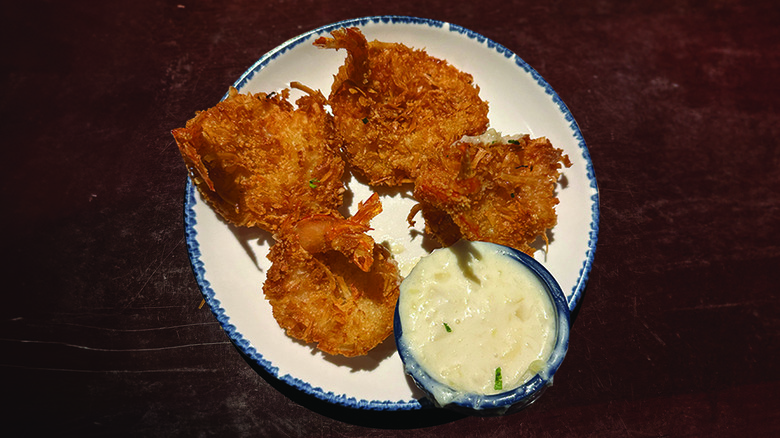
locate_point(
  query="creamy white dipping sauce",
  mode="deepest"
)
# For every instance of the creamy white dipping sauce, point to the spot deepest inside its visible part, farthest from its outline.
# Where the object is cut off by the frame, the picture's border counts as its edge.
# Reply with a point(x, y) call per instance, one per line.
point(467, 310)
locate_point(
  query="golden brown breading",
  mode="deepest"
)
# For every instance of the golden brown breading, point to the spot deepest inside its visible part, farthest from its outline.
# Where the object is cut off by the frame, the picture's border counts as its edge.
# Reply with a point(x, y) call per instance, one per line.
point(331, 284)
point(399, 116)
point(394, 106)
point(502, 192)
point(259, 161)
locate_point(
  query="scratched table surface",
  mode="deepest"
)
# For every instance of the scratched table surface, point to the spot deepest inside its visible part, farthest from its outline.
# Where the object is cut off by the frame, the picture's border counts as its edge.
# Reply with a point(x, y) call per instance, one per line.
point(677, 333)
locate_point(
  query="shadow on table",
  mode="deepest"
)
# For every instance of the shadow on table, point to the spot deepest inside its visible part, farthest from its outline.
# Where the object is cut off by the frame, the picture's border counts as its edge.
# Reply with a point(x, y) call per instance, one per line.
point(408, 419)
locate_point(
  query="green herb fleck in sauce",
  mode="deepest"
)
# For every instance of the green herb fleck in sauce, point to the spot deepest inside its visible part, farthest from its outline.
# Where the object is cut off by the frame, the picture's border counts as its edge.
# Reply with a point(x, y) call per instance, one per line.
point(498, 385)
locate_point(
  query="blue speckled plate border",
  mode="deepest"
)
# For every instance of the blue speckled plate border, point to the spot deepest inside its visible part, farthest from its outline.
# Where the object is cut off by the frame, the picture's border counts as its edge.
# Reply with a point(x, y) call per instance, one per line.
point(191, 220)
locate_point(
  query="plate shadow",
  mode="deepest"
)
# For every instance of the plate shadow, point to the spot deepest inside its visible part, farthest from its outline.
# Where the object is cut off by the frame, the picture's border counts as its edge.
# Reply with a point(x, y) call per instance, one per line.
point(427, 416)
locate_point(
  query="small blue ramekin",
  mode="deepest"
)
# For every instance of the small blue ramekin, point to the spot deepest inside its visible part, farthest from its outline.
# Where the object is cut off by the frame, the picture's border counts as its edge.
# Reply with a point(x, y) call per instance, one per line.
point(511, 400)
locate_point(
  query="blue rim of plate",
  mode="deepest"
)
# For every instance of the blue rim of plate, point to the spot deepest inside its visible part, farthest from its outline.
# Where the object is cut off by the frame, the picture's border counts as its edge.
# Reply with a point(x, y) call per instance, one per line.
point(190, 220)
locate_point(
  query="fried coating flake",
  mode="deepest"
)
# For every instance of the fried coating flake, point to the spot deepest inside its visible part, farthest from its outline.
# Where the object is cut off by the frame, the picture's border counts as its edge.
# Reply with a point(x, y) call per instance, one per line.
point(394, 106)
point(500, 191)
point(259, 161)
point(331, 284)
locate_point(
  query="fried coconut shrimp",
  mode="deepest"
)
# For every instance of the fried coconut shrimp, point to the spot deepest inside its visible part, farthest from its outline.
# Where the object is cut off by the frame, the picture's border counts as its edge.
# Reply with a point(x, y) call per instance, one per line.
point(331, 284)
point(394, 106)
point(500, 190)
point(258, 161)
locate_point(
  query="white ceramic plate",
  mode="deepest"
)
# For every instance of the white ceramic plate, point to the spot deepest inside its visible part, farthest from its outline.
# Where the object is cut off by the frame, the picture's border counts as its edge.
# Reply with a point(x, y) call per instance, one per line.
point(230, 263)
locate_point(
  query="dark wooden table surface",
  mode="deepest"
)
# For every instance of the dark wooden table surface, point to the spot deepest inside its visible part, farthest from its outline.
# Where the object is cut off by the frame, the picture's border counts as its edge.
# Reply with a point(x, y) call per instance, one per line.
point(101, 332)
